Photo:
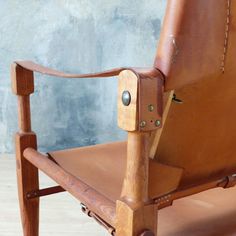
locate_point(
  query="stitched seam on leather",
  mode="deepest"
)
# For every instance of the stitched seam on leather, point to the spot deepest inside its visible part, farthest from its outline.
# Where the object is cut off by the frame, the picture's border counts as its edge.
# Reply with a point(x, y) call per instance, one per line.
point(163, 199)
point(226, 39)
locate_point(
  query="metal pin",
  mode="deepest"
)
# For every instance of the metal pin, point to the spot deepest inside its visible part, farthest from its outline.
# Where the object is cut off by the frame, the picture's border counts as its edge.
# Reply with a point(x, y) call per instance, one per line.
point(150, 107)
point(157, 123)
point(143, 124)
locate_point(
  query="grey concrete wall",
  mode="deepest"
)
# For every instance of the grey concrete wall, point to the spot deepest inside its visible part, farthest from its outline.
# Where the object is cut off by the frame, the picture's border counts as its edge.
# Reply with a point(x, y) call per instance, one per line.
point(73, 36)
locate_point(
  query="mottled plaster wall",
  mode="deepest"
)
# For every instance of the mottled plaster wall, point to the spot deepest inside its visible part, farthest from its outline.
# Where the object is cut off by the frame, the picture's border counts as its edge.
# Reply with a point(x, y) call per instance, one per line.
point(74, 36)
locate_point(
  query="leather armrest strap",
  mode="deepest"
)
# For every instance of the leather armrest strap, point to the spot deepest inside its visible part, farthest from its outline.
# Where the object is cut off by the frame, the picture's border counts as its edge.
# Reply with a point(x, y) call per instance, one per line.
point(31, 66)
point(147, 83)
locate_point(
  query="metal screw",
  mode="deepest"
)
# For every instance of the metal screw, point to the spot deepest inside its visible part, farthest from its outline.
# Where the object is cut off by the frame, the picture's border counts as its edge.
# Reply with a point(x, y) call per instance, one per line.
point(157, 123)
point(126, 98)
point(143, 124)
point(150, 107)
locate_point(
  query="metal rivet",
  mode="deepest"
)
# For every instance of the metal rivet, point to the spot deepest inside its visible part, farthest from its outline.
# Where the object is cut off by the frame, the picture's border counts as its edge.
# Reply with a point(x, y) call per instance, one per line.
point(126, 98)
point(157, 123)
point(150, 107)
point(143, 124)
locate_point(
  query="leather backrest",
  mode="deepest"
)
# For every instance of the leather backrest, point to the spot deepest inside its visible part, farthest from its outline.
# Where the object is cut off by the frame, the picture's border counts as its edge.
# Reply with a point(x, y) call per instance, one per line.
point(195, 40)
point(197, 53)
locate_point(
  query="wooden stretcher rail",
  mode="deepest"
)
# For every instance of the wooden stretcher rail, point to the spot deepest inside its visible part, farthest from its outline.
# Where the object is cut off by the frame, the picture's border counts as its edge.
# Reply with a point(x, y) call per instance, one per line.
point(44, 192)
point(99, 204)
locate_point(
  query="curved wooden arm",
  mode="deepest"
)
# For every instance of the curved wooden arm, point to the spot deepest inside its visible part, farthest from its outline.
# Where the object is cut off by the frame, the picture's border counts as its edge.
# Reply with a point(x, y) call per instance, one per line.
point(31, 66)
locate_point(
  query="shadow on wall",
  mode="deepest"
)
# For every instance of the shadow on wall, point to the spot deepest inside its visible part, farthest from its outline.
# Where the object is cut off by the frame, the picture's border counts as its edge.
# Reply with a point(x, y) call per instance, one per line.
point(73, 36)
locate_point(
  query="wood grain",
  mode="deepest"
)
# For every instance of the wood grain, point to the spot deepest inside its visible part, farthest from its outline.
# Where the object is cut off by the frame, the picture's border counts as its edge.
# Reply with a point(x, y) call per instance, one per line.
point(133, 212)
point(22, 80)
point(27, 178)
point(132, 221)
point(156, 135)
point(127, 115)
point(135, 185)
point(91, 198)
point(27, 174)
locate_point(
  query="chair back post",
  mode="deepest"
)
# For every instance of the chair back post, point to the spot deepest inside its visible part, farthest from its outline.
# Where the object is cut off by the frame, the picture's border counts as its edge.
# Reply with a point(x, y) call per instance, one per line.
point(23, 86)
point(27, 174)
point(139, 113)
point(24, 113)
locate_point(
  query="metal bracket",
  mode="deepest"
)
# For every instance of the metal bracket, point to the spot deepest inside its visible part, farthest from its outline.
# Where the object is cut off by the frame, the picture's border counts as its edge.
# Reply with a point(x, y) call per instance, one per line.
point(230, 181)
point(89, 213)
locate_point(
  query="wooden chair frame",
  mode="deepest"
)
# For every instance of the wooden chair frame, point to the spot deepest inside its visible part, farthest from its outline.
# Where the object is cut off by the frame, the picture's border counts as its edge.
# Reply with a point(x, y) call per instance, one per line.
point(193, 31)
point(135, 213)
point(135, 202)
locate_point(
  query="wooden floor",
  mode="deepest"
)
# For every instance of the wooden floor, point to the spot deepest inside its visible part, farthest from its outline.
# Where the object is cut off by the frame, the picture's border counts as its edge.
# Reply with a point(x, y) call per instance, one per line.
point(212, 213)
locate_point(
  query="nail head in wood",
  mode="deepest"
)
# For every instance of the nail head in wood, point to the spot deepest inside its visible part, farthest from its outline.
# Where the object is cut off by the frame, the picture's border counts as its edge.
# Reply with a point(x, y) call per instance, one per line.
point(150, 107)
point(142, 123)
point(126, 98)
point(158, 123)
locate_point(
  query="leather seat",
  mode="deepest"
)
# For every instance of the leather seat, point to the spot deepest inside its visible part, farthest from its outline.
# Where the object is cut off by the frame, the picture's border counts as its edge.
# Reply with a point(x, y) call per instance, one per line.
point(209, 213)
point(102, 167)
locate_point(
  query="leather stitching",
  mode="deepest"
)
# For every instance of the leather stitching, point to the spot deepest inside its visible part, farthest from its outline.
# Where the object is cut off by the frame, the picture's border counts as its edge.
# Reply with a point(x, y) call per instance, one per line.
point(226, 40)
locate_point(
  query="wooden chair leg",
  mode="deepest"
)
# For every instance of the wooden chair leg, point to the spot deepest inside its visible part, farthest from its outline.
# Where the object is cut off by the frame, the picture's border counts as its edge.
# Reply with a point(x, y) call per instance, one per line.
point(132, 221)
point(27, 174)
point(135, 212)
point(27, 177)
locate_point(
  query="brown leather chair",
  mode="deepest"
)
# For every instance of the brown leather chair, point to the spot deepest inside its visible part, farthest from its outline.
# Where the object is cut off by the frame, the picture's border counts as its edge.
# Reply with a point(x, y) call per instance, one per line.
point(174, 149)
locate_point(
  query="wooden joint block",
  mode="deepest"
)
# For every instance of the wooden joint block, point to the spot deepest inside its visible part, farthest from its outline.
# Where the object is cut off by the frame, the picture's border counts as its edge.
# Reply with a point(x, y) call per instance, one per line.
point(151, 89)
point(133, 221)
point(143, 112)
point(127, 114)
point(22, 80)
point(25, 140)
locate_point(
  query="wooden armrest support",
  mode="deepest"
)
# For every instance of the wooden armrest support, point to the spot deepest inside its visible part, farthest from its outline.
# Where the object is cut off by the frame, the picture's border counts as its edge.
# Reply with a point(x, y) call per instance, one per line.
point(140, 105)
point(143, 90)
